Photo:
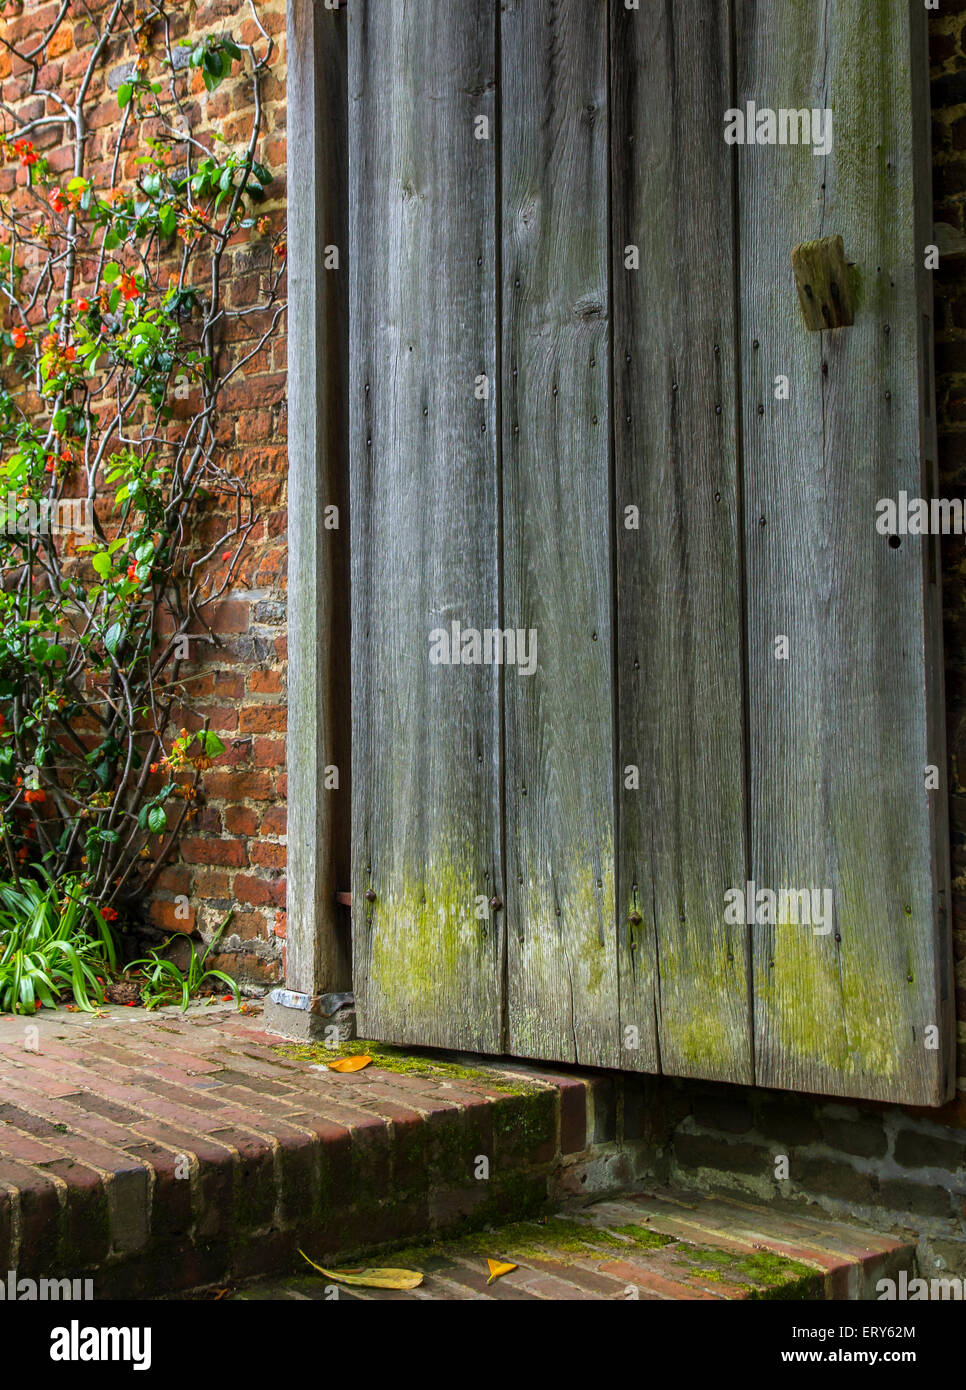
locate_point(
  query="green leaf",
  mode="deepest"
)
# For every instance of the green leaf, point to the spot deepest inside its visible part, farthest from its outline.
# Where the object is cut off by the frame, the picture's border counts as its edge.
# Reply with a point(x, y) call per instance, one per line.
point(124, 94)
point(111, 272)
point(157, 820)
point(112, 637)
point(102, 564)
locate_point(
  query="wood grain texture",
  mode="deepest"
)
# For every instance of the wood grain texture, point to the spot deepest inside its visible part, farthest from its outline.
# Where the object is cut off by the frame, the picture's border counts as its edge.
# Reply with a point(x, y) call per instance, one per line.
point(560, 747)
point(317, 941)
point(679, 613)
point(426, 738)
point(839, 730)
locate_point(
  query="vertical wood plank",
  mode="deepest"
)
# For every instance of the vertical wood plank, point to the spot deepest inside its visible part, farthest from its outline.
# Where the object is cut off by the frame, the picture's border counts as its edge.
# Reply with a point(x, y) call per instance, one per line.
point(561, 946)
point(426, 738)
point(679, 596)
point(317, 943)
point(839, 731)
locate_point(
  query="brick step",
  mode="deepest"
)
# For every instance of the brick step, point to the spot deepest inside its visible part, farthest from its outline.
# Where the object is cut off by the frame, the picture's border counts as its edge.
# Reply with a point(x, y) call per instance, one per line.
point(156, 1152)
point(159, 1153)
point(651, 1246)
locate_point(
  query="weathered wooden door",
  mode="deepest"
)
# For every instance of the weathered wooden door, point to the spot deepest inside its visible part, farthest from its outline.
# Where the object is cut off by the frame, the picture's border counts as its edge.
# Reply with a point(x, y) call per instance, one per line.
point(629, 652)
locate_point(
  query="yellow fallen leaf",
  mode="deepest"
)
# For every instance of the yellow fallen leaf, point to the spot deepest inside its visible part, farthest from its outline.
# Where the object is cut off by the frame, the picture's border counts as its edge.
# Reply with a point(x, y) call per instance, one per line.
point(350, 1063)
point(498, 1268)
point(371, 1278)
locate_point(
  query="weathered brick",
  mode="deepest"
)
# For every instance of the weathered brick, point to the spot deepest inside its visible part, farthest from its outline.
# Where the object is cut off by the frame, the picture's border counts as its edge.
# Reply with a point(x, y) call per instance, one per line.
point(701, 1151)
point(913, 1150)
point(921, 1199)
point(863, 1138)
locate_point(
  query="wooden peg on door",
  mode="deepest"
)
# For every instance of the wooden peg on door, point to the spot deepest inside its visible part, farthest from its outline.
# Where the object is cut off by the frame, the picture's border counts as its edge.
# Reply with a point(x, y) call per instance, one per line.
point(825, 283)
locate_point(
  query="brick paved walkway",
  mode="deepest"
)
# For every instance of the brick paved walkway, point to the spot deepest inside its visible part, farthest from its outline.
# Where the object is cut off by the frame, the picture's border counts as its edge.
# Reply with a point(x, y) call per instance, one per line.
point(160, 1153)
point(647, 1246)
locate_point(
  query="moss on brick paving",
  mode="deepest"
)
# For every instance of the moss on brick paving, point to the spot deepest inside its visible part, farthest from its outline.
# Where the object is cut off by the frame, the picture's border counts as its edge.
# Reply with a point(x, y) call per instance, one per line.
point(760, 1275)
point(772, 1276)
point(406, 1061)
point(554, 1238)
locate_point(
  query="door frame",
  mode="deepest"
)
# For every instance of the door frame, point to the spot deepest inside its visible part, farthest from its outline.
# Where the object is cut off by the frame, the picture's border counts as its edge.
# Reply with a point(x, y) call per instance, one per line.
point(318, 970)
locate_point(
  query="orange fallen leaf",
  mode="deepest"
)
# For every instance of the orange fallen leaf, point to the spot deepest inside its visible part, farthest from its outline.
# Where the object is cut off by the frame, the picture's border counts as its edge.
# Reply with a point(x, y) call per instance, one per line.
point(350, 1063)
point(498, 1268)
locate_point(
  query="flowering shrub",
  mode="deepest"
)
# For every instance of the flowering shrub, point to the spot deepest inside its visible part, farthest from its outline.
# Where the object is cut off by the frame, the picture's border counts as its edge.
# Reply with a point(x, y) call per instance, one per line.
point(117, 346)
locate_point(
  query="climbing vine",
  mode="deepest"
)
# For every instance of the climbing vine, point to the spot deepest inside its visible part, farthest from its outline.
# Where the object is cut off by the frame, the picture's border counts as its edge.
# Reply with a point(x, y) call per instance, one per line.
point(120, 526)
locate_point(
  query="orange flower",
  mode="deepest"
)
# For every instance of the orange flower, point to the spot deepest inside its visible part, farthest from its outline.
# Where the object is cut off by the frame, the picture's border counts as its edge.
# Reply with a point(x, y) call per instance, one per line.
point(35, 796)
point(132, 572)
point(82, 306)
point(25, 150)
point(129, 287)
point(109, 914)
point(19, 336)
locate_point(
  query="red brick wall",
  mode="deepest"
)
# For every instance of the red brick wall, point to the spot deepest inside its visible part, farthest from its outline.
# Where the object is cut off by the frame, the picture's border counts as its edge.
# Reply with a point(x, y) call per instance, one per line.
point(948, 58)
point(234, 851)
